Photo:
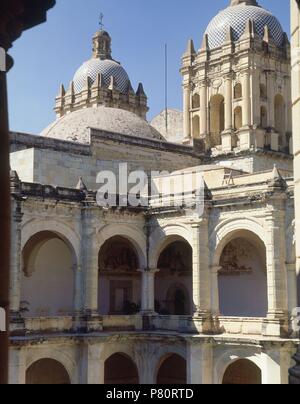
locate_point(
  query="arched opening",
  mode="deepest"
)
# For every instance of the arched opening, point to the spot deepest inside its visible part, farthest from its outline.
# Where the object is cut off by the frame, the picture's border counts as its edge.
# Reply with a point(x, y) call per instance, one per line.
point(47, 371)
point(120, 369)
point(238, 118)
point(238, 91)
point(196, 101)
point(47, 281)
point(244, 372)
point(119, 278)
point(196, 127)
point(217, 119)
point(173, 282)
point(172, 371)
point(243, 289)
point(280, 126)
point(263, 117)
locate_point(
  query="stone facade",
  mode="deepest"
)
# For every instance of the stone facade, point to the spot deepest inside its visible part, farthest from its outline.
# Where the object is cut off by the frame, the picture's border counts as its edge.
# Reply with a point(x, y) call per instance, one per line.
point(295, 29)
point(160, 293)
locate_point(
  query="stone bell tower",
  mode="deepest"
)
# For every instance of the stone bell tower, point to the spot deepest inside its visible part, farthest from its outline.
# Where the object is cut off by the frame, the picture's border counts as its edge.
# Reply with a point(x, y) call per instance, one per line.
point(237, 86)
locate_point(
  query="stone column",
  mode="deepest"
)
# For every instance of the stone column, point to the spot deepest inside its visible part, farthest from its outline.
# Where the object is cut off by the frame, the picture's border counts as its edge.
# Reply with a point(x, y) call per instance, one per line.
point(90, 264)
point(15, 259)
point(215, 290)
point(186, 109)
point(146, 359)
point(276, 362)
point(203, 109)
point(246, 100)
point(276, 272)
point(271, 99)
point(200, 363)
point(17, 366)
point(292, 287)
point(92, 364)
point(78, 292)
point(255, 98)
point(148, 290)
point(201, 275)
point(228, 104)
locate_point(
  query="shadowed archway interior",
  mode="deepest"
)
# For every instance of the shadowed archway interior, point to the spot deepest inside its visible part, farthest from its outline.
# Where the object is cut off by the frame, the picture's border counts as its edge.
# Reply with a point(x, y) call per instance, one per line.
point(120, 369)
point(173, 370)
point(119, 278)
point(242, 371)
point(47, 371)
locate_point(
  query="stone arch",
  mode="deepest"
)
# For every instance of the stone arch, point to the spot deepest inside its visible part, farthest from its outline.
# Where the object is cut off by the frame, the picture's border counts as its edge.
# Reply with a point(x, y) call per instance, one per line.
point(171, 369)
point(66, 233)
point(174, 260)
point(49, 261)
point(242, 372)
point(59, 356)
point(129, 232)
point(163, 236)
point(47, 371)
point(238, 91)
point(242, 276)
point(230, 357)
point(120, 368)
point(217, 119)
point(196, 127)
point(119, 277)
point(238, 118)
point(224, 231)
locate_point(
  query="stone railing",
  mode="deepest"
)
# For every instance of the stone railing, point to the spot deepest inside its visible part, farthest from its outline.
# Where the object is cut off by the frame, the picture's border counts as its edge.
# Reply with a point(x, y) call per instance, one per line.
point(122, 323)
point(48, 324)
point(241, 325)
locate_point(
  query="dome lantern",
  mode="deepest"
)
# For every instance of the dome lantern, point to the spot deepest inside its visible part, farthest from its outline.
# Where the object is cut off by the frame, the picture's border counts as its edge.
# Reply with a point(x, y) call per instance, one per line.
point(102, 45)
point(101, 80)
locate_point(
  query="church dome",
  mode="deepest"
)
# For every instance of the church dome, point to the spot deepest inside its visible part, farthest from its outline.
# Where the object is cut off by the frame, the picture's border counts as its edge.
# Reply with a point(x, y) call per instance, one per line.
point(74, 127)
point(107, 68)
point(236, 17)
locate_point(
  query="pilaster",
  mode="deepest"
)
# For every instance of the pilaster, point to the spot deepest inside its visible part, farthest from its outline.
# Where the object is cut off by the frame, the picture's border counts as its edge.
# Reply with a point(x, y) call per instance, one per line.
point(201, 277)
point(200, 362)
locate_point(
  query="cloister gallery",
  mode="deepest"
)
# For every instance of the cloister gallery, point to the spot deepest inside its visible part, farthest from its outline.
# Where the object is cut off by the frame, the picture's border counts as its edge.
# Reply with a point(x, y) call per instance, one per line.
point(158, 294)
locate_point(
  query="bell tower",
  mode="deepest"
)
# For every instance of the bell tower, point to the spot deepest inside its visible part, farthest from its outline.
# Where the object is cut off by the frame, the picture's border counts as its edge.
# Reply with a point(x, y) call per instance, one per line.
point(237, 86)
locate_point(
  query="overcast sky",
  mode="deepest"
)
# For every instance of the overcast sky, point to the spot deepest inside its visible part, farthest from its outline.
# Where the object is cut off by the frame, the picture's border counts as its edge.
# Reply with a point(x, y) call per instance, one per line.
point(50, 54)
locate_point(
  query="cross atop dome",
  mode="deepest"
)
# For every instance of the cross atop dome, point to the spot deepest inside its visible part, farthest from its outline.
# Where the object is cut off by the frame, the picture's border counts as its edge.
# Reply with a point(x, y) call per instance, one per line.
point(243, 2)
point(101, 21)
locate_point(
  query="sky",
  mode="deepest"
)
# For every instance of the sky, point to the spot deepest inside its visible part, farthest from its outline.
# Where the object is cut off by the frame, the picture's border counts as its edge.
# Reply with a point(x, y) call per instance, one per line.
point(49, 55)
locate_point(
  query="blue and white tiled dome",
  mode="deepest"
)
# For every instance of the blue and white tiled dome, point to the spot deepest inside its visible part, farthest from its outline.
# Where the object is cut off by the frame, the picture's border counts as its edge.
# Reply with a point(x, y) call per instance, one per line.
point(107, 68)
point(237, 17)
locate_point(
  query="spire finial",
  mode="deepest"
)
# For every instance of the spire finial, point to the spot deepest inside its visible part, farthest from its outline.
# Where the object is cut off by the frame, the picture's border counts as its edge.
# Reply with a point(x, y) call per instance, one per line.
point(101, 21)
point(102, 42)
